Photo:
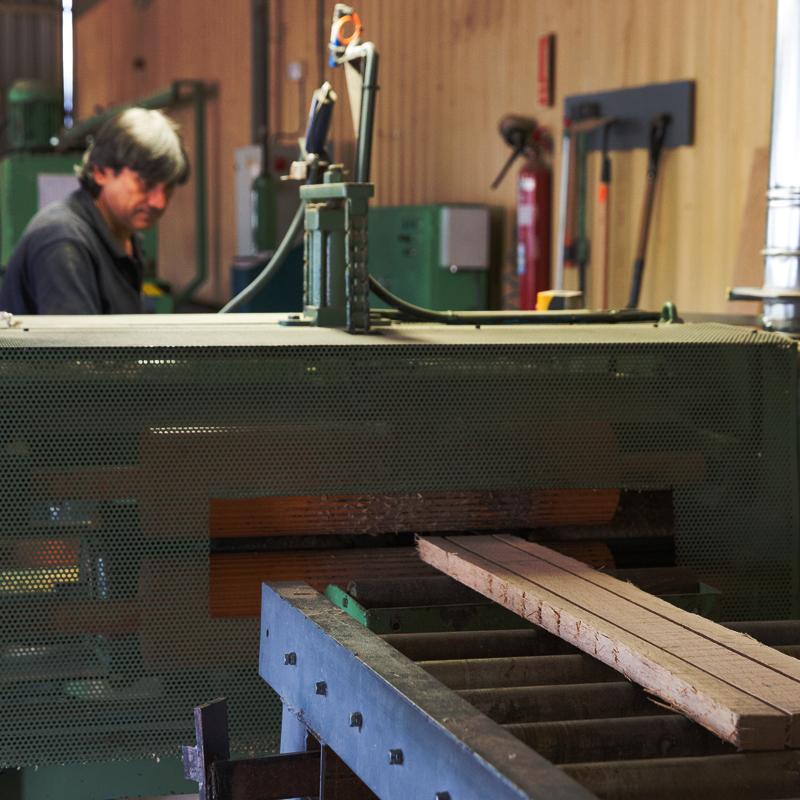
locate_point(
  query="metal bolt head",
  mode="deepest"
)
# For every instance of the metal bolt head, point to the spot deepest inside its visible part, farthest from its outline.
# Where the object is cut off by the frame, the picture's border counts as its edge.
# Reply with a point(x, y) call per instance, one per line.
point(322, 688)
point(395, 756)
point(442, 796)
point(290, 659)
point(356, 720)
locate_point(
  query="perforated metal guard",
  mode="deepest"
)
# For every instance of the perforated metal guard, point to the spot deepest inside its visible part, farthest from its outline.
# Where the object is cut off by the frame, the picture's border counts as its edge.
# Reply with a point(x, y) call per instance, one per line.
point(115, 439)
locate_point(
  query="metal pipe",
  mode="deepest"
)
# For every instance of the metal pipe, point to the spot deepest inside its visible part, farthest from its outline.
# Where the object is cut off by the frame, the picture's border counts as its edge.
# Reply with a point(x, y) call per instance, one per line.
point(783, 197)
point(367, 121)
point(76, 135)
point(259, 12)
point(755, 776)
point(477, 644)
point(496, 673)
point(585, 740)
point(559, 703)
point(369, 88)
point(200, 218)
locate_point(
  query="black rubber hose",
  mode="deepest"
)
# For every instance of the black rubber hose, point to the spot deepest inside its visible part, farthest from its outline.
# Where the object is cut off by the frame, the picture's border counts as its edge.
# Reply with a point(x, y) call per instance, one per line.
point(272, 267)
point(275, 263)
point(508, 317)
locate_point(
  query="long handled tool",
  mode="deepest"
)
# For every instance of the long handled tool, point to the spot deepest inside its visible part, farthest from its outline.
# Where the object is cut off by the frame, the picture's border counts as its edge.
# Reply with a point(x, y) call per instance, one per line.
point(658, 129)
point(565, 209)
point(601, 225)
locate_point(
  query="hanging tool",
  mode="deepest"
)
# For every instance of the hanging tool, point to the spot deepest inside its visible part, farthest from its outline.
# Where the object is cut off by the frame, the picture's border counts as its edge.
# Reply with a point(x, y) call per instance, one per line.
point(588, 121)
point(518, 133)
point(601, 226)
point(658, 129)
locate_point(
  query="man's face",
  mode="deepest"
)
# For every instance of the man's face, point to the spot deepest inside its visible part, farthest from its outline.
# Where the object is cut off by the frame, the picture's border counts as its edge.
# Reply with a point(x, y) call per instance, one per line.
point(127, 202)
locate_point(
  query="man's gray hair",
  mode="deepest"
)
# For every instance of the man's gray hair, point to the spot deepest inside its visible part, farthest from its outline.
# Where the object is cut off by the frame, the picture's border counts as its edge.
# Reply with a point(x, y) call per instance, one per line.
point(144, 141)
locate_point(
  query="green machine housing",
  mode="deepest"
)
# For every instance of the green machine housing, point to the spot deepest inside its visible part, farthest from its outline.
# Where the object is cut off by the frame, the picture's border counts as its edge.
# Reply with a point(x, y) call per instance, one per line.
point(27, 181)
point(118, 440)
point(414, 252)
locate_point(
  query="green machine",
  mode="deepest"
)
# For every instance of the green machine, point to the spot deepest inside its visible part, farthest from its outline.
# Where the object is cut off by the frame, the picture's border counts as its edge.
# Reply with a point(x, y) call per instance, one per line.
point(28, 182)
point(32, 175)
point(434, 256)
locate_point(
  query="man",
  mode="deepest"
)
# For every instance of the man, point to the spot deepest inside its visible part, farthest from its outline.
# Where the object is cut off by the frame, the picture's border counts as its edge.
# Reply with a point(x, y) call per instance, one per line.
point(83, 255)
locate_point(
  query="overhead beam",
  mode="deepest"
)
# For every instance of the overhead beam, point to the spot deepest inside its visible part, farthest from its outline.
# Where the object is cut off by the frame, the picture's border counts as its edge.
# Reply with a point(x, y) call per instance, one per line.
point(30, 9)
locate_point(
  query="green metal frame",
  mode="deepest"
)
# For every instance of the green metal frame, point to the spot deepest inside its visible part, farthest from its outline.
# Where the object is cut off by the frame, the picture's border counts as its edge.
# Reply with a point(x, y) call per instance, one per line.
point(463, 617)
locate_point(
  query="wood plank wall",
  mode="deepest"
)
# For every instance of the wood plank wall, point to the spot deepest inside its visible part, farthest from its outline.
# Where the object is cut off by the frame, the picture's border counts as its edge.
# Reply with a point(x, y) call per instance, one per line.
point(177, 39)
point(450, 69)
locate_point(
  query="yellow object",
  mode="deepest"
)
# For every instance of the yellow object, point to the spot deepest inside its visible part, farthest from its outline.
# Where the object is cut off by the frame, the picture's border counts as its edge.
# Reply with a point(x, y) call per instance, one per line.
point(151, 290)
point(558, 300)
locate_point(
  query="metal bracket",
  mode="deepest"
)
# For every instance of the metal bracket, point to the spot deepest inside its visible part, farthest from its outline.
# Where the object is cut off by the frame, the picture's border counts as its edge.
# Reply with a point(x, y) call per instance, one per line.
point(414, 737)
point(633, 109)
point(211, 727)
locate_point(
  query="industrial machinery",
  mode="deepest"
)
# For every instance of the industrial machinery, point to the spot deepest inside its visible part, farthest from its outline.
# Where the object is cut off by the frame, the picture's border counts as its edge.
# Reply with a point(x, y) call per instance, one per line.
point(434, 256)
point(32, 174)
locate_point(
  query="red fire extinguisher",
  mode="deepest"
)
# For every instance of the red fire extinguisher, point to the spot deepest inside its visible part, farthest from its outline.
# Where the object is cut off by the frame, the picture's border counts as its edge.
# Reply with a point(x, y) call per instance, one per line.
point(534, 193)
point(534, 199)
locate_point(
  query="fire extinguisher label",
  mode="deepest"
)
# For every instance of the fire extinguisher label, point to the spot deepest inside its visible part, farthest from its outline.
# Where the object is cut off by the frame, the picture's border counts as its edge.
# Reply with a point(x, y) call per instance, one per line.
point(521, 258)
point(527, 183)
point(525, 216)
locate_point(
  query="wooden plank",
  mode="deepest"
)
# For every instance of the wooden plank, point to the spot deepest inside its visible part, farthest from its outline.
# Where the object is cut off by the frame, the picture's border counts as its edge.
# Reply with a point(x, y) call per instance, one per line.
point(668, 627)
point(749, 665)
point(736, 716)
point(738, 643)
point(431, 511)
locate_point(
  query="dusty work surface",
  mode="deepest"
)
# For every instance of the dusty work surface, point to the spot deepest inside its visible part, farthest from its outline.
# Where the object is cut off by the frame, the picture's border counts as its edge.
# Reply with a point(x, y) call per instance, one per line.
point(743, 691)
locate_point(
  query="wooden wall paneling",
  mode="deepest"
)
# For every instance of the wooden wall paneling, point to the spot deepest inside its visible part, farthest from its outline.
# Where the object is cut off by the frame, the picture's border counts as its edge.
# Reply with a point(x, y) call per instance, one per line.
point(180, 39)
point(449, 71)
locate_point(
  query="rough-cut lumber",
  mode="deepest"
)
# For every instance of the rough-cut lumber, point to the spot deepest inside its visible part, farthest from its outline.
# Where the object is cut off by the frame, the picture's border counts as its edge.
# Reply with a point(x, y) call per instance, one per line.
point(730, 684)
point(395, 513)
point(731, 640)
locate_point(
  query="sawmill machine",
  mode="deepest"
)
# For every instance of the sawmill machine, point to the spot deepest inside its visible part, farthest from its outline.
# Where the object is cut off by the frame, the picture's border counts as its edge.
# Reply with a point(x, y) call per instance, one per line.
point(156, 471)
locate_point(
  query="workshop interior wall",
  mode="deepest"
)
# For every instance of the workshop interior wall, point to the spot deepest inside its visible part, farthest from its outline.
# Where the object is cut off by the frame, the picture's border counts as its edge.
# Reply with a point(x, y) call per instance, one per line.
point(177, 39)
point(449, 71)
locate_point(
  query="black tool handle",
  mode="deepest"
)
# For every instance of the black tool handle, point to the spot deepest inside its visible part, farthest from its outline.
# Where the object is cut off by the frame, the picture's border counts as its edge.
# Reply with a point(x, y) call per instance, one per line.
point(515, 153)
point(658, 130)
point(636, 283)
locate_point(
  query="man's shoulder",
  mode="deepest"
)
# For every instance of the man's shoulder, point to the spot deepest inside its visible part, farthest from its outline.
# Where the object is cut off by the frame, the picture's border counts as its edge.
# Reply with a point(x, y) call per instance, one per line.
point(64, 219)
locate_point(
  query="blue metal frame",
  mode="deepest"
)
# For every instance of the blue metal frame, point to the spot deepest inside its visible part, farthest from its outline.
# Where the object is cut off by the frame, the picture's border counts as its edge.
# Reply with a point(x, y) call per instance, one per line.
point(414, 738)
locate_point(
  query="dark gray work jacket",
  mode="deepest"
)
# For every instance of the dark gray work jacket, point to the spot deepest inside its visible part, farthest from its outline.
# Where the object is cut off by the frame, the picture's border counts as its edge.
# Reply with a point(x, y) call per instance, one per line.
point(68, 262)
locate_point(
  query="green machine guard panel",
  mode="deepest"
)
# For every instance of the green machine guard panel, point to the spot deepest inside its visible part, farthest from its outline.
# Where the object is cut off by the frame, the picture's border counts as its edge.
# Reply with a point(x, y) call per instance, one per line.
point(115, 439)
